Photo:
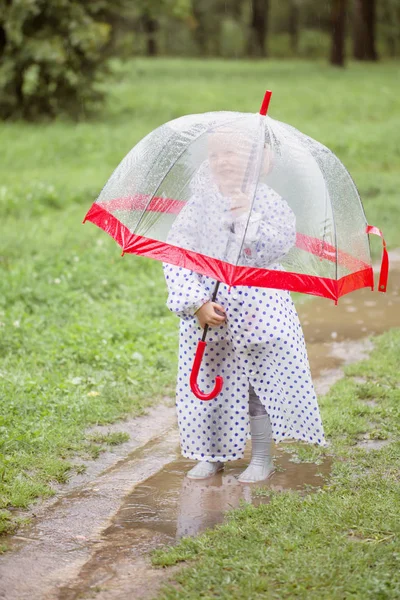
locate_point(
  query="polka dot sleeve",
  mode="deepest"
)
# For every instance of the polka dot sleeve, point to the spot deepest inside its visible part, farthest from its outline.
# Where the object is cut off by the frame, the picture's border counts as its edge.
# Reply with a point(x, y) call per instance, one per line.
point(186, 291)
point(270, 233)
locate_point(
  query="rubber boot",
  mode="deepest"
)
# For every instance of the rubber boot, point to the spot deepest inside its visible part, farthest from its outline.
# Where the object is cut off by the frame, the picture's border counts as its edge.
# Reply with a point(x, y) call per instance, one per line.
point(261, 466)
point(204, 470)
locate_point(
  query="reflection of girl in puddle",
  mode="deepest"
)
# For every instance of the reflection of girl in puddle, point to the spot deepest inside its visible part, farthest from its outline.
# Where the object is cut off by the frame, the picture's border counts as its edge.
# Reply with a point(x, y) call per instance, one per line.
point(256, 342)
point(203, 503)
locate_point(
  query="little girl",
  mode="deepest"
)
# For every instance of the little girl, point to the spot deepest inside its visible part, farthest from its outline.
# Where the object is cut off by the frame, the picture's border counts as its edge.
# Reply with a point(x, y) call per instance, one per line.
point(255, 342)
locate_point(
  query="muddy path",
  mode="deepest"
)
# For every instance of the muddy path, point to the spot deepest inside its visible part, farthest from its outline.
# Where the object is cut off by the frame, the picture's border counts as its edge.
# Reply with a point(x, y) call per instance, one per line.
point(92, 539)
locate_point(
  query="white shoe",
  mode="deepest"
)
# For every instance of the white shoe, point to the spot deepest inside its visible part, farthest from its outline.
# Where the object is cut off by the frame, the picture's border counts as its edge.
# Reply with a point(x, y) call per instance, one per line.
point(261, 466)
point(255, 473)
point(204, 470)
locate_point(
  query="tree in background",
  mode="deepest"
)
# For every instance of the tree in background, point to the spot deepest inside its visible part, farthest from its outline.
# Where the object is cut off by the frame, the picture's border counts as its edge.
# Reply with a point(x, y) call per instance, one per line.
point(51, 54)
point(237, 28)
point(54, 53)
point(206, 30)
point(209, 16)
point(258, 28)
point(364, 25)
point(147, 15)
point(388, 22)
point(338, 16)
point(294, 25)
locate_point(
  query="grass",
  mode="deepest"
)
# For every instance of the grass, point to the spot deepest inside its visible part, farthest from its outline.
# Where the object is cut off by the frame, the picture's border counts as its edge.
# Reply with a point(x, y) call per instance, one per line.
point(341, 541)
point(85, 337)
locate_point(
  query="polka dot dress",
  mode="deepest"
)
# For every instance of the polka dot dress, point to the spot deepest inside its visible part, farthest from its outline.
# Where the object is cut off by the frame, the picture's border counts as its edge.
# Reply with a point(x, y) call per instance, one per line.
point(261, 342)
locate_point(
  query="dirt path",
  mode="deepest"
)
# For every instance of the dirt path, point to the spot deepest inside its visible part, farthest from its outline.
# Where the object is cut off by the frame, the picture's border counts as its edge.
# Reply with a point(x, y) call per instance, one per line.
point(92, 539)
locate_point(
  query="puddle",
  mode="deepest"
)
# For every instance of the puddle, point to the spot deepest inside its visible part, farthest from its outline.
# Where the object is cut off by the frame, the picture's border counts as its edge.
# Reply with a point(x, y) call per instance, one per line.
point(71, 553)
point(337, 335)
point(169, 506)
point(373, 444)
point(173, 506)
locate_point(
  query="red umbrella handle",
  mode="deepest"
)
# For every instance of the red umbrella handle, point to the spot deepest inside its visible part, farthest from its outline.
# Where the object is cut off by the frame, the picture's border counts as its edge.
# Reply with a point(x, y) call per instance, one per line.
point(201, 346)
point(383, 276)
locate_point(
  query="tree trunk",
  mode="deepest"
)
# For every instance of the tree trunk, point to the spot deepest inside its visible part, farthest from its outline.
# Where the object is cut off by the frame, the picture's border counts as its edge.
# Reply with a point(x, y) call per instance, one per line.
point(3, 40)
point(199, 32)
point(294, 26)
point(150, 27)
point(258, 28)
point(391, 19)
point(364, 22)
point(338, 20)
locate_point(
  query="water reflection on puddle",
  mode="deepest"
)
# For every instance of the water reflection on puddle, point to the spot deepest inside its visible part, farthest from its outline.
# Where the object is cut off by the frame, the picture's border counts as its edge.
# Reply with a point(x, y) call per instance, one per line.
point(172, 506)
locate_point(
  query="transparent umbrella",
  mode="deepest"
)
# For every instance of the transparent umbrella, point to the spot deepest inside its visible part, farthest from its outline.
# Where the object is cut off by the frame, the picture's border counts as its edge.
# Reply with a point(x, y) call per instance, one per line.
point(186, 195)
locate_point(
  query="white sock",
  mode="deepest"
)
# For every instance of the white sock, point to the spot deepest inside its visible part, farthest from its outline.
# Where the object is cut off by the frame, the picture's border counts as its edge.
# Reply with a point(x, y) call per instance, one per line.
point(261, 465)
point(203, 470)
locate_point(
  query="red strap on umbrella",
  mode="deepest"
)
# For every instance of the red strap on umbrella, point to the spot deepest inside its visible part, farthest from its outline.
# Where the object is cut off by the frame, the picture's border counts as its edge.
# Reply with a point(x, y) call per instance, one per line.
point(383, 276)
point(201, 346)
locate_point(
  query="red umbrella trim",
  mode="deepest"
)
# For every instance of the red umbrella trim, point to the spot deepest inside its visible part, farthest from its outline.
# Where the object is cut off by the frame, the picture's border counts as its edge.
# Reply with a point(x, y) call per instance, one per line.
point(227, 273)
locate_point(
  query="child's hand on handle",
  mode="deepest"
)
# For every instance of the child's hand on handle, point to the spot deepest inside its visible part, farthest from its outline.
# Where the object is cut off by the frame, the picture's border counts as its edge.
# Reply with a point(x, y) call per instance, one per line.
point(240, 203)
point(207, 315)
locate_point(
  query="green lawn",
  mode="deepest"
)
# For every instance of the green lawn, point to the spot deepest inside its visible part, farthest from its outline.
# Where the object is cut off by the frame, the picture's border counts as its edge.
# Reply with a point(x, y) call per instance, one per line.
point(340, 542)
point(84, 335)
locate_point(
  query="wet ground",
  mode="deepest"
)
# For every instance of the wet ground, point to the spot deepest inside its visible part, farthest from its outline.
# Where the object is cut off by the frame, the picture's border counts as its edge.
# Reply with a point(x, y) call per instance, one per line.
point(168, 506)
point(92, 541)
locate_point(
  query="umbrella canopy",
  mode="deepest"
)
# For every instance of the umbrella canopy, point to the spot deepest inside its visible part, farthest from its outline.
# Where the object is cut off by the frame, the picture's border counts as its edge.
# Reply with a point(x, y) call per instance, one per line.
point(206, 168)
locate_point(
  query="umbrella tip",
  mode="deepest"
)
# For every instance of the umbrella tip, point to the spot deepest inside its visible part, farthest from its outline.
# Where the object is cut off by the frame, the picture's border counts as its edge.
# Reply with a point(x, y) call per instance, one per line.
point(265, 102)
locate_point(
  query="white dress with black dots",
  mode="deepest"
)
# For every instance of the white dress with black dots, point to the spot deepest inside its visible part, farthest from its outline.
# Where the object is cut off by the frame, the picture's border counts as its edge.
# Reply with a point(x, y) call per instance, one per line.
point(261, 342)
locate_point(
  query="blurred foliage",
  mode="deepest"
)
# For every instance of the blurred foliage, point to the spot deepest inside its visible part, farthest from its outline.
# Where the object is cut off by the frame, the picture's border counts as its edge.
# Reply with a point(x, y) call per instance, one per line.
point(53, 54)
point(389, 26)
point(50, 55)
point(222, 28)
